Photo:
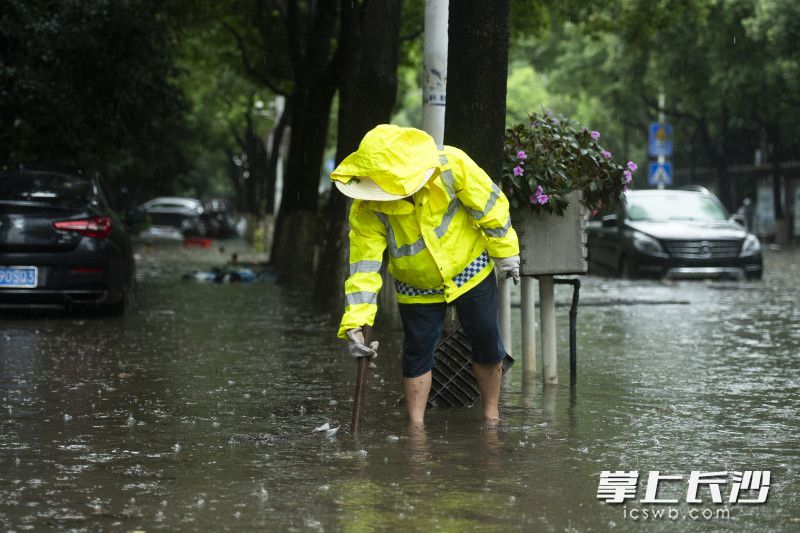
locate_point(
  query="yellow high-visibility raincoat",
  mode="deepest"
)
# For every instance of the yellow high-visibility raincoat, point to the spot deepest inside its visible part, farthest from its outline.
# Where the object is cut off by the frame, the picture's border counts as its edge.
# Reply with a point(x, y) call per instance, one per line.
point(439, 246)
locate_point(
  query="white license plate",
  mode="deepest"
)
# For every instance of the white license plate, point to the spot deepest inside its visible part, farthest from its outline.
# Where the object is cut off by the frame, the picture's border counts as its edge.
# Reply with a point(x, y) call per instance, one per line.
point(19, 277)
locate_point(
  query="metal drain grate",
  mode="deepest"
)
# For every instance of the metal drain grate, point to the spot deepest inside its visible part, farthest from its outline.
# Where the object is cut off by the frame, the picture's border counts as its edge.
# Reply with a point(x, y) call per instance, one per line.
point(453, 383)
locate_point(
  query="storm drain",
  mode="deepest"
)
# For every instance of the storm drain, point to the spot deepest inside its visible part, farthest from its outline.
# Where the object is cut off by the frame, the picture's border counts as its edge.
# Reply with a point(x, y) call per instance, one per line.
point(453, 382)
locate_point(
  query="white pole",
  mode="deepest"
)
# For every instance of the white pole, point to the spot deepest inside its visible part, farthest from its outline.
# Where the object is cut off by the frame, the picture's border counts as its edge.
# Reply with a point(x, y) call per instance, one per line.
point(504, 311)
point(661, 119)
point(434, 75)
point(547, 304)
point(434, 85)
point(528, 329)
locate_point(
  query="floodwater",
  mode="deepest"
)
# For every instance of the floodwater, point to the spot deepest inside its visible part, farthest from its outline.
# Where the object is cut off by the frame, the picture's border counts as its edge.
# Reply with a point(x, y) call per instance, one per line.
point(197, 411)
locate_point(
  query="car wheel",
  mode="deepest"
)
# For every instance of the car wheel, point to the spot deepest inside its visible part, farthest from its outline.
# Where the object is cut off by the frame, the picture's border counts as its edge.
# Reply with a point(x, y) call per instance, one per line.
point(116, 309)
point(627, 267)
point(119, 308)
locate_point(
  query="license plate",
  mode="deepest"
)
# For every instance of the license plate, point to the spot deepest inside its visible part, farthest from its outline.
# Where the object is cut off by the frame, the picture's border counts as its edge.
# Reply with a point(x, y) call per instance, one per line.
point(19, 277)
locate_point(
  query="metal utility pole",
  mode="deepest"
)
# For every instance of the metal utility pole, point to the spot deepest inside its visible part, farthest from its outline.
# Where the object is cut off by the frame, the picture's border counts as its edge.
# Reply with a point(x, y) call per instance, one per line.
point(661, 157)
point(434, 76)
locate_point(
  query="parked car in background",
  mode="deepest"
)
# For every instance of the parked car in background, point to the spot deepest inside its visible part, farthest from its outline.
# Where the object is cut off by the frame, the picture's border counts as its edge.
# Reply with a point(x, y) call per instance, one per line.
point(173, 218)
point(219, 219)
point(676, 234)
point(61, 243)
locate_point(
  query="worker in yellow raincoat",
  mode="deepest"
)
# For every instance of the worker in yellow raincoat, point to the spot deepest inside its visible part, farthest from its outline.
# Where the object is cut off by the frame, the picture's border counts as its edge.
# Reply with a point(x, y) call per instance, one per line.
point(447, 227)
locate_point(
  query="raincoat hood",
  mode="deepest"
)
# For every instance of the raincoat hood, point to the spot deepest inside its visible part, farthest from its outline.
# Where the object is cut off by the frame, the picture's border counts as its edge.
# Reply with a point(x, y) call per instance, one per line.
point(391, 162)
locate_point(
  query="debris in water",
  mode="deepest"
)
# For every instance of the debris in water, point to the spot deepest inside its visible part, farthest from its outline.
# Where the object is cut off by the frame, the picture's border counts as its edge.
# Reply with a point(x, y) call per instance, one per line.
point(332, 432)
point(176, 448)
point(324, 427)
point(67, 417)
point(392, 438)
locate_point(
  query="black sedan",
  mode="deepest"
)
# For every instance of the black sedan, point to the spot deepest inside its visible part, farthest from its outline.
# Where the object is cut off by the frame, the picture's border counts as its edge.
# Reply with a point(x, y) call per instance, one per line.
point(61, 243)
point(674, 234)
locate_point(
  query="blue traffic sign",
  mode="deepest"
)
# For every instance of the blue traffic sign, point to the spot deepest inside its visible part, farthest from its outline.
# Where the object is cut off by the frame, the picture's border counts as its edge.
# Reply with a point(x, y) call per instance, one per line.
point(660, 173)
point(660, 140)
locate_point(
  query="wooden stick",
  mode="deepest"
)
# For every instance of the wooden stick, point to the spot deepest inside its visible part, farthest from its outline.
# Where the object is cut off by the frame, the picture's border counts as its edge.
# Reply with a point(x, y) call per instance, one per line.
point(362, 367)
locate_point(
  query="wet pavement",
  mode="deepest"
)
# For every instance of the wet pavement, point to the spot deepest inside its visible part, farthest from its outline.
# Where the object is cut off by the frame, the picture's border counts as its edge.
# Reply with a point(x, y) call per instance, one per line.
point(197, 410)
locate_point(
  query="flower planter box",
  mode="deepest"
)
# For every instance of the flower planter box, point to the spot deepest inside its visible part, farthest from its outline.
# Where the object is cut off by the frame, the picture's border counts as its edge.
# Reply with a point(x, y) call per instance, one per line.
point(551, 244)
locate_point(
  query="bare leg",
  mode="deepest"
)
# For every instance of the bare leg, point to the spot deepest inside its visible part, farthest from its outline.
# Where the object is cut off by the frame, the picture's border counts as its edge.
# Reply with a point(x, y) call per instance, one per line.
point(416, 391)
point(488, 377)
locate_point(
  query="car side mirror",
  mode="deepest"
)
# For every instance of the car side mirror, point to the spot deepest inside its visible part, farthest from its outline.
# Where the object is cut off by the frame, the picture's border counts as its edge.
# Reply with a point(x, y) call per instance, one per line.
point(134, 216)
point(609, 221)
point(739, 219)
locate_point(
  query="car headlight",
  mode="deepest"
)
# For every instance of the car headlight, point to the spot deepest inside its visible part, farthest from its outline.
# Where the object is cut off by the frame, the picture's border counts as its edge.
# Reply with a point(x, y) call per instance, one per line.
point(751, 245)
point(646, 244)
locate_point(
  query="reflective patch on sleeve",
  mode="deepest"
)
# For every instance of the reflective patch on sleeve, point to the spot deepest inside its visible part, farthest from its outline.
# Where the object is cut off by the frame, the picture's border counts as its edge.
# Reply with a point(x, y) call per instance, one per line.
point(498, 232)
point(477, 215)
point(361, 297)
point(365, 267)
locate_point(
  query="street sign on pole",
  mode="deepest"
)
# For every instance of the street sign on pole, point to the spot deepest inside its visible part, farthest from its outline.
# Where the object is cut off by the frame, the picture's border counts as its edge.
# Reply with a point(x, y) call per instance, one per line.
point(660, 140)
point(660, 174)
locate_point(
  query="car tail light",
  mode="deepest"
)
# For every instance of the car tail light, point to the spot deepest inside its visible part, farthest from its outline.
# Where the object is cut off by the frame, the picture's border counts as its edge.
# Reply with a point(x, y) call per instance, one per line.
point(95, 227)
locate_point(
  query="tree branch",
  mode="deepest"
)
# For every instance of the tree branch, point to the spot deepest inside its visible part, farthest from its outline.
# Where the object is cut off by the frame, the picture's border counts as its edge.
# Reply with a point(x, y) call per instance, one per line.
point(248, 64)
point(652, 104)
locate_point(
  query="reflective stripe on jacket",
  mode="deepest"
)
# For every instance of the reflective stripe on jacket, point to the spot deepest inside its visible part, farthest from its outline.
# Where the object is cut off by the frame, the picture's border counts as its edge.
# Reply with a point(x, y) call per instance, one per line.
point(439, 246)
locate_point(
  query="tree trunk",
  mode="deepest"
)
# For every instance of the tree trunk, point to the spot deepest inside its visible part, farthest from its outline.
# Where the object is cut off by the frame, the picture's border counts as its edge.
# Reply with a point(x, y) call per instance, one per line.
point(722, 162)
point(782, 227)
point(369, 41)
point(477, 71)
point(234, 173)
point(272, 163)
point(314, 86)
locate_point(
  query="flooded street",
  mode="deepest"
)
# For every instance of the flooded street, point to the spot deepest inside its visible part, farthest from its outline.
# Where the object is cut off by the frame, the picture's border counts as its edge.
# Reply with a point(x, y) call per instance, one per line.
point(196, 412)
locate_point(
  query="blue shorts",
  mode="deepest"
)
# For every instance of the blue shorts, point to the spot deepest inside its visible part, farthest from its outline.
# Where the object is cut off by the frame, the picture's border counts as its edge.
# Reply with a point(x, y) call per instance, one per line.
point(477, 313)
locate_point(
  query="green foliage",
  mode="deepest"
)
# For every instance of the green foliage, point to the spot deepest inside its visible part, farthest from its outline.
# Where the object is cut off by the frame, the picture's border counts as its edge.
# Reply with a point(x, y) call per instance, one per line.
point(546, 158)
point(221, 98)
point(90, 84)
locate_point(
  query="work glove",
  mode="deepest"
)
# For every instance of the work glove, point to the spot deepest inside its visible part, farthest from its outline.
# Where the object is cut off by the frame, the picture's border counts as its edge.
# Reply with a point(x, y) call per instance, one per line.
point(357, 348)
point(508, 267)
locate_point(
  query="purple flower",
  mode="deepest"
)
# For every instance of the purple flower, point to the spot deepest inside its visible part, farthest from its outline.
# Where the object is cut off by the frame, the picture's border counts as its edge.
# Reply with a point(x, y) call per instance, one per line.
point(606, 154)
point(522, 155)
point(518, 171)
point(538, 196)
point(625, 188)
point(595, 134)
point(628, 176)
point(534, 124)
point(632, 166)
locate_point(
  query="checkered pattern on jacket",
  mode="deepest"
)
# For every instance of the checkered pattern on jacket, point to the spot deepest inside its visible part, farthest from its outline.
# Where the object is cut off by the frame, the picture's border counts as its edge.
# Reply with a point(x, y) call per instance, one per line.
point(477, 264)
point(469, 272)
point(408, 290)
